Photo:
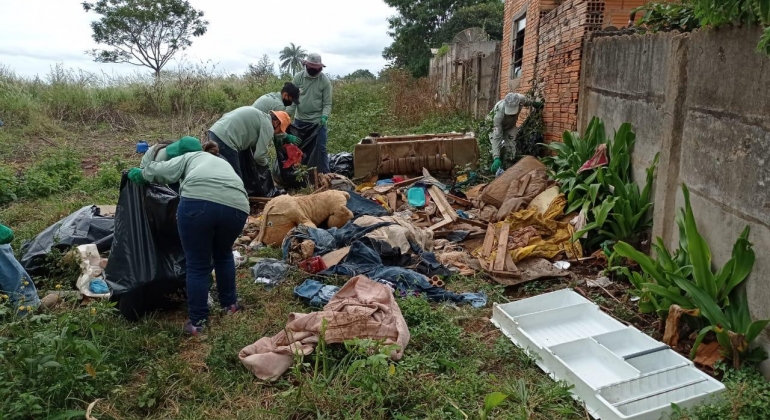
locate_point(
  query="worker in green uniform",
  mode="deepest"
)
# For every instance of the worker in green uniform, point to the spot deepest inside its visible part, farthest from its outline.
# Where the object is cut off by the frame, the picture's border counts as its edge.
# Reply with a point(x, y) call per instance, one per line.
point(164, 151)
point(316, 103)
point(278, 101)
point(247, 128)
point(503, 138)
point(212, 212)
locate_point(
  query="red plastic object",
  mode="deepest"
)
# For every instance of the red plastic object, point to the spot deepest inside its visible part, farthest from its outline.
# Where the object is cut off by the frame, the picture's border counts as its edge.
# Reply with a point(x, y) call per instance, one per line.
point(293, 155)
point(313, 265)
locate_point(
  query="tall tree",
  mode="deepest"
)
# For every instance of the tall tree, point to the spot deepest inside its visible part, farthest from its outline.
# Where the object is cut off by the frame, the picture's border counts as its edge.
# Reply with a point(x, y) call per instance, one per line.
point(360, 74)
point(263, 68)
point(144, 32)
point(291, 58)
point(417, 28)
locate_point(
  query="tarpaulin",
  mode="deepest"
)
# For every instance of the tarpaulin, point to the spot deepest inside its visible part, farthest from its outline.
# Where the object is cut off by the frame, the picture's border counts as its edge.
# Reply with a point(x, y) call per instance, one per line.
point(257, 180)
point(341, 163)
point(84, 226)
point(147, 262)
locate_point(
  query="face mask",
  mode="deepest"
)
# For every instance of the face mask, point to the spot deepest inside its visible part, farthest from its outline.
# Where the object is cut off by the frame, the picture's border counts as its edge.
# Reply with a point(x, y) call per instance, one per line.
point(313, 72)
point(287, 102)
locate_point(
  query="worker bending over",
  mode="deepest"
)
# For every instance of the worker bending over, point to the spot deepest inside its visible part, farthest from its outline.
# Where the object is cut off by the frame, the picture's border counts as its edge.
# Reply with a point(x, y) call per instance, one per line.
point(503, 138)
point(247, 128)
point(212, 212)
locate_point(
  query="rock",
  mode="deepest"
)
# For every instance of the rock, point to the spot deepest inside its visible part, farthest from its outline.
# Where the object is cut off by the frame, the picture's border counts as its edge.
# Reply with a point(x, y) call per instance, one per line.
point(50, 301)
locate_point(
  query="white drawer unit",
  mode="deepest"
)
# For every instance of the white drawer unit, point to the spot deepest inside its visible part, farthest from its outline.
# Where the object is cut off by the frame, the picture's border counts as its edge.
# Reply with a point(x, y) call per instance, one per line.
point(617, 371)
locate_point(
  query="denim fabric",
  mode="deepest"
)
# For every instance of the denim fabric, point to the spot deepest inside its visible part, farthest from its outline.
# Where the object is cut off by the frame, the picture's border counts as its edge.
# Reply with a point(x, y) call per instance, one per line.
point(360, 206)
point(16, 283)
point(315, 292)
point(477, 300)
point(228, 153)
point(208, 231)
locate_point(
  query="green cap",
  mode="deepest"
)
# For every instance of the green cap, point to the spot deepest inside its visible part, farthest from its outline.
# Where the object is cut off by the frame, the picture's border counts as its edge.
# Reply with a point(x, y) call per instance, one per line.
point(184, 145)
point(6, 235)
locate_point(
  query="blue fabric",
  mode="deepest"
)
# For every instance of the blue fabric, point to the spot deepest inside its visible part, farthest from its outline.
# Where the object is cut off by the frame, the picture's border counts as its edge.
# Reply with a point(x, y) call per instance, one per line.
point(15, 283)
point(384, 182)
point(477, 300)
point(208, 231)
point(360, 206)
point(98, 286)
point(315, 292)
point(462, 214)
point(228, 153)
point(328, 240)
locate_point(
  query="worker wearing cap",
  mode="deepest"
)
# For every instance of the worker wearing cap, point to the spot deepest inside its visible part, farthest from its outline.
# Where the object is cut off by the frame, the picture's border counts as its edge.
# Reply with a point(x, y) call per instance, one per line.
point(245, 128)
point(316, 102)
point(503, 138)
point(279, 101)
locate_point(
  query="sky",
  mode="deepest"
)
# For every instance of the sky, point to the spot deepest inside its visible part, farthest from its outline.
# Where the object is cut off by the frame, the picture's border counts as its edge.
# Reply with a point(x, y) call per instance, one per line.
point(349, 34)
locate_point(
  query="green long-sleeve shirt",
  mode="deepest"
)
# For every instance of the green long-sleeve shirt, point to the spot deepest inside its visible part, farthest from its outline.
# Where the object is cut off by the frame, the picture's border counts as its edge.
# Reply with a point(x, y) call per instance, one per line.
point(204, 177)
point(270, 102)
point(150, 156)
point(315, 97)
point(246, 127)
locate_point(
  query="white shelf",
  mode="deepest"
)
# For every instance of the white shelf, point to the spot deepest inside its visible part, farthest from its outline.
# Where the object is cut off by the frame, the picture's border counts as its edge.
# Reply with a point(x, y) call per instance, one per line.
point(617, 371)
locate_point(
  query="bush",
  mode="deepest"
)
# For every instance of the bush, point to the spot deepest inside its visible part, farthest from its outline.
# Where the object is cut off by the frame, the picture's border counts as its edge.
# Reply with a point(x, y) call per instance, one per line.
point(8, 185)
point(56, 173)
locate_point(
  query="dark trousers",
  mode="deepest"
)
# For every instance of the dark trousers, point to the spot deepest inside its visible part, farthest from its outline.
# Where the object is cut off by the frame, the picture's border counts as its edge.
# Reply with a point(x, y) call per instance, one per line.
point(227, 152)
point(208, 231)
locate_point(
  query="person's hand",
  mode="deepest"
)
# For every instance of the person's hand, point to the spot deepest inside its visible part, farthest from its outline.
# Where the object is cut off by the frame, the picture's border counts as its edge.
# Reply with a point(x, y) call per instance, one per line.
point(6, 235)
point(496, 165)
point(324, 118)
point(135, 175)
point(537, 104)
point(293, 139)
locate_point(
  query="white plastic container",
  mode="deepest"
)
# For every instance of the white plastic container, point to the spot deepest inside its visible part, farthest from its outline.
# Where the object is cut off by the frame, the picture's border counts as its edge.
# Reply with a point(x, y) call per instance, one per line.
point(617, 371)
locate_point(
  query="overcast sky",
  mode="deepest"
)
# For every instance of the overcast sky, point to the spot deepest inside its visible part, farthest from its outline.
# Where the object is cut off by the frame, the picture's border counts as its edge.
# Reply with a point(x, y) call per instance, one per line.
point(349, 34)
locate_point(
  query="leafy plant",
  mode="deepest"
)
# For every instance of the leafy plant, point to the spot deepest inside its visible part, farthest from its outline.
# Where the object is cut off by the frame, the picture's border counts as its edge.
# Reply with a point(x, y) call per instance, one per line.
point(674, 16)
point(491, 401)
point(7, 185)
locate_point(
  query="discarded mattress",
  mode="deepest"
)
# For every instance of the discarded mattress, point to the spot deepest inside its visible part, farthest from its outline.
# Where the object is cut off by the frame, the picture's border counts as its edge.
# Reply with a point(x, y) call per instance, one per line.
point(617, 371)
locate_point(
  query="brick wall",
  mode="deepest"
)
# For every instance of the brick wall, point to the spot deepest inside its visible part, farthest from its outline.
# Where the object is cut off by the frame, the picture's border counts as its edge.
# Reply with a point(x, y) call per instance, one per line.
point(553, 44)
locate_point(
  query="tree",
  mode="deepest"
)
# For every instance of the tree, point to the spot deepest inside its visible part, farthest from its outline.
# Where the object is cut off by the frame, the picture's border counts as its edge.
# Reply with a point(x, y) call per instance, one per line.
point(360, 74)
point(144, 32)
point(487, 16)
point(291, 58)
point(263, 68)
point(418, 27)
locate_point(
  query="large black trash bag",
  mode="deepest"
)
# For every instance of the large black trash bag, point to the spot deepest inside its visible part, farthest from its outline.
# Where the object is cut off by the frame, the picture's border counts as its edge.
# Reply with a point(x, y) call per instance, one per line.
point(84, 226)
point(257, 180)
point(288, 177)
point(146, 269)
point(308, 133)
point(341, 163)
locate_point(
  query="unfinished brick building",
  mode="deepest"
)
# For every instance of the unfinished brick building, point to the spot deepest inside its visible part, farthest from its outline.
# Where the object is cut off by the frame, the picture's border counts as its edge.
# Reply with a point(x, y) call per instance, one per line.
point(542, 45)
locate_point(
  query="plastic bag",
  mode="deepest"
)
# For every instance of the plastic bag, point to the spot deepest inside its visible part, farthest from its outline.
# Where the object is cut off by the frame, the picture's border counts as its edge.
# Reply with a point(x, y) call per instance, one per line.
point(146, 265)
point(341, 163)
point(257, 180)
point(84, 226)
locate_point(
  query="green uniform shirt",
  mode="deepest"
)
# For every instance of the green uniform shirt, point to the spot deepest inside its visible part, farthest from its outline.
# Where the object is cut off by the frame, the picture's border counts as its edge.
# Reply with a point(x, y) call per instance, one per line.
point(204, 177)
point(315, 97)
point(149, 156)
point(270, 102)
point(244, 128)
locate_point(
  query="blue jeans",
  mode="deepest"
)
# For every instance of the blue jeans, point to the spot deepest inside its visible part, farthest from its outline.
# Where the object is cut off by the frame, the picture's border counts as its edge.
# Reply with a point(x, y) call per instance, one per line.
point(15, 283)
point(208, 231)
point(227, 152)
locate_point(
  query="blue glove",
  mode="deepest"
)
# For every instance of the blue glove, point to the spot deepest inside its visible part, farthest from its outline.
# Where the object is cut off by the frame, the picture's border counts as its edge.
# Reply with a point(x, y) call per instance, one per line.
point(135, 175)
point(495, 165)
point(324, 118)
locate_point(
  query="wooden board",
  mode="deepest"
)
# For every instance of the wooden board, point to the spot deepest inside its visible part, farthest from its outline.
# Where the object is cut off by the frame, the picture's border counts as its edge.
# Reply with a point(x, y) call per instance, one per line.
point(440, 224)
point(509, 264)
point(502, 248)
point(392, 200)
point(523, 186)
point(489, 241)
point(333, 258)
point(460, 201)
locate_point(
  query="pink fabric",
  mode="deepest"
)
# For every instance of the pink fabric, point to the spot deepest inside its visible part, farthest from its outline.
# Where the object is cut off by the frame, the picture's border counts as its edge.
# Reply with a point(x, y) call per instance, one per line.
point(361, 309)
point(599, 159)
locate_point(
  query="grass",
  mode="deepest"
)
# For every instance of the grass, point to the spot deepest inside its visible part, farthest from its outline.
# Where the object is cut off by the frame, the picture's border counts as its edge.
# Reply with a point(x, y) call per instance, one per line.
point(72, 135)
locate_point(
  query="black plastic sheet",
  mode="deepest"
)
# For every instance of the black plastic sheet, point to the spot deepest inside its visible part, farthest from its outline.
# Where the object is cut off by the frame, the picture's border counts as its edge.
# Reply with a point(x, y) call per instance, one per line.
point(146, 265)
point(257, 180)
point(341, 163)
point(84, 226)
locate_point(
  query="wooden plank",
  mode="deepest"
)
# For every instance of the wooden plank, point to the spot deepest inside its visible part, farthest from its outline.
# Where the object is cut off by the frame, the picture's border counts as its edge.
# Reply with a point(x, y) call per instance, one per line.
point(392, 200)
point(440, 224)
point(502, 248)
point(407, 182)
point(460, 201)
point(523, 186)
point(473, 222)
point(489, 241)
point(510, 266)
point(443, 205)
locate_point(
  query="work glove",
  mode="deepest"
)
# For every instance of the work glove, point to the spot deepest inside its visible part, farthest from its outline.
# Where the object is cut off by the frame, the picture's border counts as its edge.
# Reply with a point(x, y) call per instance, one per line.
point(135, 175)
point(537, 104)
point(6, 235)
point(324, 118)
point(496, 165)
point(293, 140)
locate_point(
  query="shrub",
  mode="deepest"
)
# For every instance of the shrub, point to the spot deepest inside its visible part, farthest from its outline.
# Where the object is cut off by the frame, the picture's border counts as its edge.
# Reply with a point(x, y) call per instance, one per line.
point(8, 185)
point(56, 173)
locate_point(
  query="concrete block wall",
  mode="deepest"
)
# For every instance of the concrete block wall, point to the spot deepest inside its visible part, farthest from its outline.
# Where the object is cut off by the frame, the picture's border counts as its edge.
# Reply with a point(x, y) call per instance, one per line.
point(703, 102)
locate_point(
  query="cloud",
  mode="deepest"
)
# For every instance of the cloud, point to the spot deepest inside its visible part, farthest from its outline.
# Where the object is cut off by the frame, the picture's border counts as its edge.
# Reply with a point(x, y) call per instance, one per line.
point(349, 34)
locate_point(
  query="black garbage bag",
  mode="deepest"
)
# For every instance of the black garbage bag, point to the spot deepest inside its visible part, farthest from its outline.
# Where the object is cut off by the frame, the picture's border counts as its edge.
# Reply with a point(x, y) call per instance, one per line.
point(256, 179)
point(288, 177)
point(308, 132)
point(146, 270)
point(341, 163)
point(84, 226)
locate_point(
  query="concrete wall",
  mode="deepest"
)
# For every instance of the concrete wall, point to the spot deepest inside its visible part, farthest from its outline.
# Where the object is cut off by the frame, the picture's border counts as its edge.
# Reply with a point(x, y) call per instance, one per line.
point(703, 101)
